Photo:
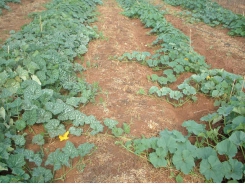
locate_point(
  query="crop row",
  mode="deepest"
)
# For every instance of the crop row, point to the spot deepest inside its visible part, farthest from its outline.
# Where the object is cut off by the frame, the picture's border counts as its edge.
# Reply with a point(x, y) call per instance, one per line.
point(39, 85)
point(212, 14)
point(174, 57)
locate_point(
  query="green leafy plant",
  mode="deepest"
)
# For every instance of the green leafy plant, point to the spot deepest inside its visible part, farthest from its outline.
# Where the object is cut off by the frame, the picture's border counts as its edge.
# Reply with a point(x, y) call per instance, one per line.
point(213, 14)
point(61, 157)
point(39, 85)
point(117, 131)
point(223, 133)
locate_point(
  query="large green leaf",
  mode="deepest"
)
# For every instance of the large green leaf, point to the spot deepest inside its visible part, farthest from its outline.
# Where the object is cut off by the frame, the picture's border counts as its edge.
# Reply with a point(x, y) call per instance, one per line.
point(78, 117)
point(20, 172)
point(238, 123)
point(5, 150)
point(33, 91)
point(158, 160)
point(212, 168)
point(22, 73)
point(164, 91)
point(153, 90)
point(54, 128)
point(117, 132)
point(19, 140)
point(110, 123)
point(171, 139)
point(38, 139)
point(53, 159)
point(75, 131)
point(37, 159)
point(97, 127)
point(84, 149)
point(67, 114)
point(233, 169)
point(3, 167)
point(227, 147)
point(20, 124)
point(55, 108)
point(194, 127)
point(73, 101)
point(70, 150)
point(43, 116)
point(238, 138)
point(175, 95)
point(141, 145)
point(41, 175)
point(16, 161)
point(184, 161)
point(12, 86)
point(30, 116)
point(205, 152)
point(3, 77)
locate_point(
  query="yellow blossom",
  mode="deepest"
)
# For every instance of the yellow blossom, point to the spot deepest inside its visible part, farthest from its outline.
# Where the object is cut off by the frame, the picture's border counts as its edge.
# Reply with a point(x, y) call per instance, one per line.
point(208, 77)
point(186, 59)
point(64, 136)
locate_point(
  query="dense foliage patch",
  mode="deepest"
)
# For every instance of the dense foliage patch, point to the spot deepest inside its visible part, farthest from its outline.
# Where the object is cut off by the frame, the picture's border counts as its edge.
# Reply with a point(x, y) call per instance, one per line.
point(212, 14)
point(220, 133)
point(39, 85)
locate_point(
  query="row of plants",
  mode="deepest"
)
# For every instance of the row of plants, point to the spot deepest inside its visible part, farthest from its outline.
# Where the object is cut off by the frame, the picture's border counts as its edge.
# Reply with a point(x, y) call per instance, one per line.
point(215, 145)
point(39, 85)
point(3, 4)
point(212, 14)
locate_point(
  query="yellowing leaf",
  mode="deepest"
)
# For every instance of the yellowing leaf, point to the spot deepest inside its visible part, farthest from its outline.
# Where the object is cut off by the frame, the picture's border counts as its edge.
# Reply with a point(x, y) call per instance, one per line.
point(208, 77)
point(64, 136)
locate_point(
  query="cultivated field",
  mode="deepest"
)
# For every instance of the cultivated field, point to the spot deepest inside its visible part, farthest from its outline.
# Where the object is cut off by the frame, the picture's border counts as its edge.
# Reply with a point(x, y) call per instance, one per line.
point(122, 91)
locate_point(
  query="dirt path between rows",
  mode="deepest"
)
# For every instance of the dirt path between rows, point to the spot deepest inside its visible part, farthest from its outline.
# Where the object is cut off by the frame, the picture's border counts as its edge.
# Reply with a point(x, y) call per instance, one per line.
point(119, 96)
point(119, 100)
point(221, 50)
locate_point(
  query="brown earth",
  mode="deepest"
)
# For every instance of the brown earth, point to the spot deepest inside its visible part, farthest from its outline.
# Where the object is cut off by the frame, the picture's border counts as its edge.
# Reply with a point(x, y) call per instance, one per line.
point(120, 83)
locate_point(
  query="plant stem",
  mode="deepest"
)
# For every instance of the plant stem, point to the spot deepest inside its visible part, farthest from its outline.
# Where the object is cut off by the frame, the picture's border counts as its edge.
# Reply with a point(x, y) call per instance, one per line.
point(243, 80)
point(242, 151)
point(32, 129)
point(40, 22)
point(133, 152)
point(232, 87)
point(190, 39)
point(64, 175)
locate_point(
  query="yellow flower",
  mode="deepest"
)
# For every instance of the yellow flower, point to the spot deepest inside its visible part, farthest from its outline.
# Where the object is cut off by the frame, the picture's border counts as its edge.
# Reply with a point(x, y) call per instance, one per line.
point(64, 136)
point(208, 77)
point(186, 59)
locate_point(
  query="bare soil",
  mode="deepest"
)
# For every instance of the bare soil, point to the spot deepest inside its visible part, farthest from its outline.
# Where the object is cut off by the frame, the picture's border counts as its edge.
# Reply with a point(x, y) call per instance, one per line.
point(120, 83)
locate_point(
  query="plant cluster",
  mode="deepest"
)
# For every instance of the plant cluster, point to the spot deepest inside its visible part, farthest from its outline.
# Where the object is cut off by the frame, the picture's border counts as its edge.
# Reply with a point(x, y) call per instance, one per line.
point(212, 14)
point(117, 131)
point(175, 55)
point(226, 139)
point(39, 85)
point(3, 4)
point(224, 134)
